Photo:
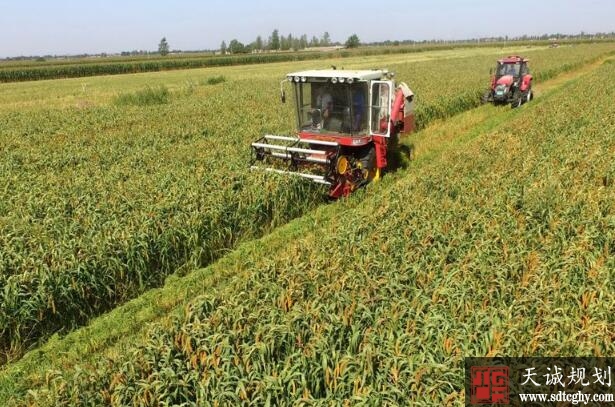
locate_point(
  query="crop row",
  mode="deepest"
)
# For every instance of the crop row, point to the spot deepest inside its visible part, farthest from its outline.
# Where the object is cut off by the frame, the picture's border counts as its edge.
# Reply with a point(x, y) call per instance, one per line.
point(119, 68)
point(25, 71)
point(77, 70)
point(503, 246)
point(100, 204)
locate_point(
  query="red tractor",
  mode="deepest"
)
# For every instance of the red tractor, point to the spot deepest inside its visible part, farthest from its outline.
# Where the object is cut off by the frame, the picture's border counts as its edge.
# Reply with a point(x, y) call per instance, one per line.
point(512, 82)
point(347, 123)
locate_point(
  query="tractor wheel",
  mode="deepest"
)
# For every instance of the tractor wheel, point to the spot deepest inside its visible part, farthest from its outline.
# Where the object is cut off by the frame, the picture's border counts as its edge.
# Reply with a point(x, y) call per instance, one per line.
point(529, 96)
point(485, 98)
point(411, 153)
point(517, 100)
point(368, 164)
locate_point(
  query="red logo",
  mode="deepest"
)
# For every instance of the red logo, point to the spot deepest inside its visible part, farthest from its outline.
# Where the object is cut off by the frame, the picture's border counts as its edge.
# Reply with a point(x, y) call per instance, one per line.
point(489, 385)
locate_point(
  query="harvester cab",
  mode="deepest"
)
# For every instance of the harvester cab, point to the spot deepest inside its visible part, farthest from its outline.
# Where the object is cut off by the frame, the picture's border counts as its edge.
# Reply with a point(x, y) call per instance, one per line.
point(511, 83)
point(346, 122)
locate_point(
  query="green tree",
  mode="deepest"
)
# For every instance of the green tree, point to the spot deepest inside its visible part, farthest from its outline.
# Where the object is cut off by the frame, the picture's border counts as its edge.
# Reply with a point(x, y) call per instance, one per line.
point(303, 42)
point(223, 48)
point(353, 41)
point(258, 44)
point(274, 41)
point(296, 45)
point(286, 42)
point(326, 39)
point(236, 47)
point(163, 47)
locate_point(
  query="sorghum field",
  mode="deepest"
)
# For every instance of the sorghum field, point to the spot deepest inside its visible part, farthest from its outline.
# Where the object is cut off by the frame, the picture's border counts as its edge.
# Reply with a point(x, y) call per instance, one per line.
point(501, 242)
point(29, 70)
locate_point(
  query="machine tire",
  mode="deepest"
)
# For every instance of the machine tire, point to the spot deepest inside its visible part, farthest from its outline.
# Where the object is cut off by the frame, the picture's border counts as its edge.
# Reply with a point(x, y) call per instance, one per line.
point(529, 96)
point(485, 98)
point(411, 153)
point(368, 162)
point(517, 100)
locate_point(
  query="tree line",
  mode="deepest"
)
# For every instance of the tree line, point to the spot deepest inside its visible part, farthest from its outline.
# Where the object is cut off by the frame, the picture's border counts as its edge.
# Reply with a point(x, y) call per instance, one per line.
point(277, 42)
point(280, 42)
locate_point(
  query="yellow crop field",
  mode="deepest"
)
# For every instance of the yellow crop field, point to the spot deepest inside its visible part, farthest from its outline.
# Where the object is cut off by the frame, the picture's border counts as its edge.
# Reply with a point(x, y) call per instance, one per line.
point(114, 183)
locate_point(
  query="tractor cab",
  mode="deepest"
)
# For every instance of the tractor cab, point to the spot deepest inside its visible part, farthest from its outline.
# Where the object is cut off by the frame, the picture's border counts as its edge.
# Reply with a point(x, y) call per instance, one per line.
point(512, 66)
point(346, 120)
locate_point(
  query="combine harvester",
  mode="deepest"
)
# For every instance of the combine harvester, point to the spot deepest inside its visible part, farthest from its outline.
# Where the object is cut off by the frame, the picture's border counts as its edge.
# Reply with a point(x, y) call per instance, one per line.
point(347, 123)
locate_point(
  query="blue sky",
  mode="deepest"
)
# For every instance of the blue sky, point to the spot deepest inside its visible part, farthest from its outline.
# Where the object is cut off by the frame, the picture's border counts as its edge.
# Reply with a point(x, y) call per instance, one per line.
point(36, 27)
